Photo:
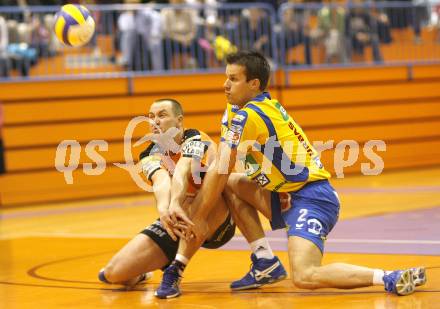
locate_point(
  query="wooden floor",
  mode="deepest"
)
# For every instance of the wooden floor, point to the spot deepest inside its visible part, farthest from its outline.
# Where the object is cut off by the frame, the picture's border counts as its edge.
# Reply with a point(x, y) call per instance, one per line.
point(50, 254)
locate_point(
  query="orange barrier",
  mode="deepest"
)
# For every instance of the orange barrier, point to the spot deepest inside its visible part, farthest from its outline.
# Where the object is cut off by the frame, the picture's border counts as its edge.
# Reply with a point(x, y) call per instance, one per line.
point(347, 104)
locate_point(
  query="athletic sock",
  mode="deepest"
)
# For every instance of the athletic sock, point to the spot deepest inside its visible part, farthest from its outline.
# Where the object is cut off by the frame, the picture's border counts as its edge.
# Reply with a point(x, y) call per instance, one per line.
point(262, 249)
point(180, 262)
point(378, 276)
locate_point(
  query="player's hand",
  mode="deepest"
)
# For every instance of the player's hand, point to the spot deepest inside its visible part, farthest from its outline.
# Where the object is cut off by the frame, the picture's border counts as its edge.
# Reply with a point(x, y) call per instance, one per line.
point(179, 217)
point(167, 223)
point(198, 230)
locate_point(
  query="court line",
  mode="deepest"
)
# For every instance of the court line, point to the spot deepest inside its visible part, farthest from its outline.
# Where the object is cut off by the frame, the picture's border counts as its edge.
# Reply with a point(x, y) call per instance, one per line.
point(357, 241)
point(237, 238)
point(149, 202)
point(408, 189)
point(257, 291)
point(73, 209)
point(32, 272)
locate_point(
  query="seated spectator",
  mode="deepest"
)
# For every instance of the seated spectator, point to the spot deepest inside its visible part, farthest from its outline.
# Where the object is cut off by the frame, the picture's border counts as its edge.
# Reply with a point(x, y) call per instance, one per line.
point(361, 31)
point(295, 30)
point(255, 31)
point(40, 36)
point(4, 41)
point(331, 31)
point(180, 36)
point(383, 25)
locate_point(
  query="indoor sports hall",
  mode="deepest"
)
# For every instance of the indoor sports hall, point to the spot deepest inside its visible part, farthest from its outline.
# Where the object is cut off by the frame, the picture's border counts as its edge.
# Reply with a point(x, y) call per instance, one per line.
point(361, 78)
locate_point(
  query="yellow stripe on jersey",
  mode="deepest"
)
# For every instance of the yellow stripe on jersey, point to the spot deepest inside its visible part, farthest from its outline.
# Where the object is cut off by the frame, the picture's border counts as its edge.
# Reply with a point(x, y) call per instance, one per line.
point(278, 154)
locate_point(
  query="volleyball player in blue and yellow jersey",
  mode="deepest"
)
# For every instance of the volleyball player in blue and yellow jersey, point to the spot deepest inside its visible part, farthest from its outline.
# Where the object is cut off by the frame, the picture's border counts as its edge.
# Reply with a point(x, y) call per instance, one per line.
point(269, 132)
point(281, 161)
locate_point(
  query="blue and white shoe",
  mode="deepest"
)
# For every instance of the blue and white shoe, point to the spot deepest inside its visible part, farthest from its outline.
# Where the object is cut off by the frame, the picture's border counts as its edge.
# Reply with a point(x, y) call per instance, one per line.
point(400, 282)
point(263, 271)
point(419, 275)
point(169, 287)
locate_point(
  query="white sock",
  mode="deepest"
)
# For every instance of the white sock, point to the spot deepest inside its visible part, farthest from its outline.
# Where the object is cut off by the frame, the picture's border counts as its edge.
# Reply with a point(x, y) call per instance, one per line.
point(181, 259)
point(378, 276)
point(262, 249)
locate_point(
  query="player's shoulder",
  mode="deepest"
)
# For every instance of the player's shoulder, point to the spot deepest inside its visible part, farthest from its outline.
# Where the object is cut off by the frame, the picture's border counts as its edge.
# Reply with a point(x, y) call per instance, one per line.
point(191, 134)
point(149, 151)
point(244, 115)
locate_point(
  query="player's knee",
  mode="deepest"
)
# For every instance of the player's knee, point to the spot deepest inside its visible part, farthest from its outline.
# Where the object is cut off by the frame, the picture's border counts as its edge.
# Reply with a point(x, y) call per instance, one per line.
point(304, 278)
point(109, 274)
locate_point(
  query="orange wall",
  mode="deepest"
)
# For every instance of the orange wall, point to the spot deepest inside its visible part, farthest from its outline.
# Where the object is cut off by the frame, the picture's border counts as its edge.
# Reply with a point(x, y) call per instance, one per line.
point(355, 104)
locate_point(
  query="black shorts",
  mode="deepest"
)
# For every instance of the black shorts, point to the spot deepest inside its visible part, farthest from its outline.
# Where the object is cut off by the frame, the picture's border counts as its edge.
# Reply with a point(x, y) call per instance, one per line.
point(160, 236)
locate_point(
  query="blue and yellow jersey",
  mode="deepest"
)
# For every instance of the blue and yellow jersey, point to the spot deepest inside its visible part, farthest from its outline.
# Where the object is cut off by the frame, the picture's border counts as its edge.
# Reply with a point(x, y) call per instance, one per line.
point(278, 155)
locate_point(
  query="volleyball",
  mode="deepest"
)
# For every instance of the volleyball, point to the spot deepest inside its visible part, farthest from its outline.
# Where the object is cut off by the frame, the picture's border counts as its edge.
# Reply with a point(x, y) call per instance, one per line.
point(74, 26)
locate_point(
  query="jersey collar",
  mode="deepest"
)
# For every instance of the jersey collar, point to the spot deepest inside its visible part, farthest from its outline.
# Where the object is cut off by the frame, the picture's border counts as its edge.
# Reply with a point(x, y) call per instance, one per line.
point(261, 97)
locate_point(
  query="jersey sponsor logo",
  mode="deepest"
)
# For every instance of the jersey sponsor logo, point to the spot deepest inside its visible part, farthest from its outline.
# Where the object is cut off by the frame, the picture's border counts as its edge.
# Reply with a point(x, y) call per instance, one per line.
point(314, 226)
point(262, 180)
point(239, 118)
point(234, 134)
point(156, 230)
point(302, 140)
point(278, 186)
point(232, 138)
point(194, 149)
point(251, 165)
point(318, 162)
point(282, 111)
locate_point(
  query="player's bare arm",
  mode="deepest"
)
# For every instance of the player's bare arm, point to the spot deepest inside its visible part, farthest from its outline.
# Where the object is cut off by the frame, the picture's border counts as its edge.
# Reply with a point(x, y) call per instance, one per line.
point(213, 185)
point(161, 188)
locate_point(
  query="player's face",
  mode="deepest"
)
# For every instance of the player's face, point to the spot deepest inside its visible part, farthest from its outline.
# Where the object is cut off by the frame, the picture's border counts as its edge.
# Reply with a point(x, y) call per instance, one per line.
point(163, 116)
point(238, 91)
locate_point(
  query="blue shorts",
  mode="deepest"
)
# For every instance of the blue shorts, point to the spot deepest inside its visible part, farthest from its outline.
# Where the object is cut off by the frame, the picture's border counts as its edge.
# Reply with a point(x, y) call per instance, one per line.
point(313, 212)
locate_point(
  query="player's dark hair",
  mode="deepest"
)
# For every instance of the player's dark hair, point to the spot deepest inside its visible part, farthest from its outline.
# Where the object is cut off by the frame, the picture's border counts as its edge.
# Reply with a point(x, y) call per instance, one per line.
point(176, 106)
point(256, 66)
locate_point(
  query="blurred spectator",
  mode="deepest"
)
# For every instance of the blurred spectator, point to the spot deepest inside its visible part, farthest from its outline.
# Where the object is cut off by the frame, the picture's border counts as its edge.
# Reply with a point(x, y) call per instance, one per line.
point(419, 17)
point(361, 30)
point(180, 34)
point(295, 30)
point(149, 25)
point(435, 18)
point(209, 14)
point(383, 25)
point(40, 36)
point(20, 54)
point(54, 43)
point(2, 158)
point(331, 31)
point(4, 41)
point(413, 14)
point(256, 31)
point(141, 39)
